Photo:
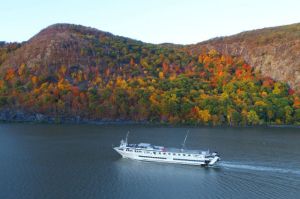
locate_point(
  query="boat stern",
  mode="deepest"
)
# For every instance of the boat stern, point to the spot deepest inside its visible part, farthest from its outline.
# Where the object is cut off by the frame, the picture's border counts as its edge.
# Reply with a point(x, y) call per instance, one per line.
point(215, 158)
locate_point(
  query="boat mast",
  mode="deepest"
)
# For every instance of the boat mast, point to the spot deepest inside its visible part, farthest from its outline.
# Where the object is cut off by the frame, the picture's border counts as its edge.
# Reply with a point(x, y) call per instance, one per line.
point(183, 144)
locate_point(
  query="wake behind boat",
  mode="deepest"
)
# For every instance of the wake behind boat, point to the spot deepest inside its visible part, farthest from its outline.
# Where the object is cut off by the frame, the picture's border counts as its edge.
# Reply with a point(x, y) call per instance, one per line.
point(149, 152)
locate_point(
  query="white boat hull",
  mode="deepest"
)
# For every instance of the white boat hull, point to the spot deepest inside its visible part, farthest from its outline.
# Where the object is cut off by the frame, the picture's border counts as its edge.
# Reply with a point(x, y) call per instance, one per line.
point(148, 156)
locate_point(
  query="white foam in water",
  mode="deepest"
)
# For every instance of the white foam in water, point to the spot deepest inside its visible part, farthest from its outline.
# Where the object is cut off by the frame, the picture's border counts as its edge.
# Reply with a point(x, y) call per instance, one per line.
point(257, 168)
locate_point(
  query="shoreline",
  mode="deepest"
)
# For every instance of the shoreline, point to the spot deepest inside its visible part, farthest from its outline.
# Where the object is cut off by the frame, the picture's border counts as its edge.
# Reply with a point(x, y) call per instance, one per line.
point(9, 116)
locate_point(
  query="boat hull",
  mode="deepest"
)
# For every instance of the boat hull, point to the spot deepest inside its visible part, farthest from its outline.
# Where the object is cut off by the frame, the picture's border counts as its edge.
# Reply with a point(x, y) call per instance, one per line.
point(167, 158)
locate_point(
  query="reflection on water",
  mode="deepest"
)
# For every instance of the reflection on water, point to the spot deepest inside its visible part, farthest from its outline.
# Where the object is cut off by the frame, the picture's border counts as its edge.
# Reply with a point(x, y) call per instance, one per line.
point(156, 169)
point(77, 161)
point(163, 180)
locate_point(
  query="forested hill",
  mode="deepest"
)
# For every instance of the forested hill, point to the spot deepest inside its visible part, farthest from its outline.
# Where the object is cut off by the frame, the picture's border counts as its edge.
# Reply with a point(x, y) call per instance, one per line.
point(75, 71)
point(274, 52)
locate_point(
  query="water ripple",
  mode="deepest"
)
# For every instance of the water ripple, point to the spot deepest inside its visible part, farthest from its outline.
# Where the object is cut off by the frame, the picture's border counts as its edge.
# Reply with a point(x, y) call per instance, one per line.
point(235, 165)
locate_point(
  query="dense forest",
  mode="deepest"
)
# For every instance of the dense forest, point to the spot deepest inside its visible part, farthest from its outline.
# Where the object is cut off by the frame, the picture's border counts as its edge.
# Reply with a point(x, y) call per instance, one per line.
point(124, 79)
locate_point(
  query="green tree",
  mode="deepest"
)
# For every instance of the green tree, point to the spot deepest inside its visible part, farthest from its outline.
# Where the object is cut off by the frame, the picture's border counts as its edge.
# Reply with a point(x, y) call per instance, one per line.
point(252, 118)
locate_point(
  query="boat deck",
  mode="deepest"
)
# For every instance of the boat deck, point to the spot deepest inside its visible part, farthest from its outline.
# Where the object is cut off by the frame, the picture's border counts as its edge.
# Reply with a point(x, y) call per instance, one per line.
point(149, 147)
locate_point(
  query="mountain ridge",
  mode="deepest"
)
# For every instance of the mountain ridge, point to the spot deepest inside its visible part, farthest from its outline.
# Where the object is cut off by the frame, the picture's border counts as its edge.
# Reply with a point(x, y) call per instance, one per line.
point(274, 51)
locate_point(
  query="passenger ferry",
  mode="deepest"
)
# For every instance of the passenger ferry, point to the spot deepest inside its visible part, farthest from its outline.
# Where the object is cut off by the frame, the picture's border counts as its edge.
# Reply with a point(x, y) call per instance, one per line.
point(149, 152)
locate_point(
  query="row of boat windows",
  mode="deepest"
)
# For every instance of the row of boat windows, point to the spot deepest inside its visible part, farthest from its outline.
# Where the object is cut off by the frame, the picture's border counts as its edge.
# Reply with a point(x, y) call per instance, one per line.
point(142, 156)
point(187, 160)
point(174, 154)
point(161, 153)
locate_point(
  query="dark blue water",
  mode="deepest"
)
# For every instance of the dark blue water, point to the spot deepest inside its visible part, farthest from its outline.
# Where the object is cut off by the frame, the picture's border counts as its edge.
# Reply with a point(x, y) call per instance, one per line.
point(77, 161)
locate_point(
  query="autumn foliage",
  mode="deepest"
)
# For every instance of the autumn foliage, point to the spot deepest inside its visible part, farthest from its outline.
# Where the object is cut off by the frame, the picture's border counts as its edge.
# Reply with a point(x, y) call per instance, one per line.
point(150, 83)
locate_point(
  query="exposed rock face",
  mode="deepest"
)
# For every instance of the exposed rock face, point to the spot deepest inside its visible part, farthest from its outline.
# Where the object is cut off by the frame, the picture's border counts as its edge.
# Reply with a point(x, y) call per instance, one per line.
point(22, 116)
point(273, 51)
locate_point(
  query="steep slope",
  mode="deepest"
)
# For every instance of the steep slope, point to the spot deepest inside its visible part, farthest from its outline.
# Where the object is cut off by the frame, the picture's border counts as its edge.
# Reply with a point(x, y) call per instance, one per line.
point(275, 52)
point(71, 71)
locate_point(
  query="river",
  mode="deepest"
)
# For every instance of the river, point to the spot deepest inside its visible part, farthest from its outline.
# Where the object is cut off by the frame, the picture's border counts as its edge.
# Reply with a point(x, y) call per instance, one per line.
point(77, 162)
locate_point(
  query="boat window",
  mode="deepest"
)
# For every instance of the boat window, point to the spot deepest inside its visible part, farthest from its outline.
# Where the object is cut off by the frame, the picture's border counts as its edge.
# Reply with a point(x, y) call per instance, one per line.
point(169, 153)
point(179, 154)
point(164, 153)
point(183, 154)
point(154, 153)
point(189, 155)
point(174, 153)
point(159, 153)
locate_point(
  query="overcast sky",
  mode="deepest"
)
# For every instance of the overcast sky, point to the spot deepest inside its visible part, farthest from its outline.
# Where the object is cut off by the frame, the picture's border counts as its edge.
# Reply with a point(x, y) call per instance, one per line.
point(154, 21)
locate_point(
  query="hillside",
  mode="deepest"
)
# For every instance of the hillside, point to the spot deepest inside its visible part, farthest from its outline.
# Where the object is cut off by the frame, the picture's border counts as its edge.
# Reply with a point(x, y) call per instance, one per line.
point(275, 52)
point(74, 71)
point(6, 49)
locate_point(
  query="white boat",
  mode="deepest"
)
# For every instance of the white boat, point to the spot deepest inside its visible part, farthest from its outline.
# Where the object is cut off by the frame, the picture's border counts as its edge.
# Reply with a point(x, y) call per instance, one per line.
point(149, 152)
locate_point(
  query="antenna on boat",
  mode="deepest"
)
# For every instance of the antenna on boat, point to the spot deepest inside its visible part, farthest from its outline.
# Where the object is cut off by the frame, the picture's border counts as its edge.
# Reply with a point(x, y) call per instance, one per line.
point(183, 144)
point(126, 139)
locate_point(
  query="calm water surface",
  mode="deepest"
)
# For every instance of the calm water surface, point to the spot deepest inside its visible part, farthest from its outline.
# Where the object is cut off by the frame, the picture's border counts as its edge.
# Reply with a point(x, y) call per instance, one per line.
point(77, 161)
